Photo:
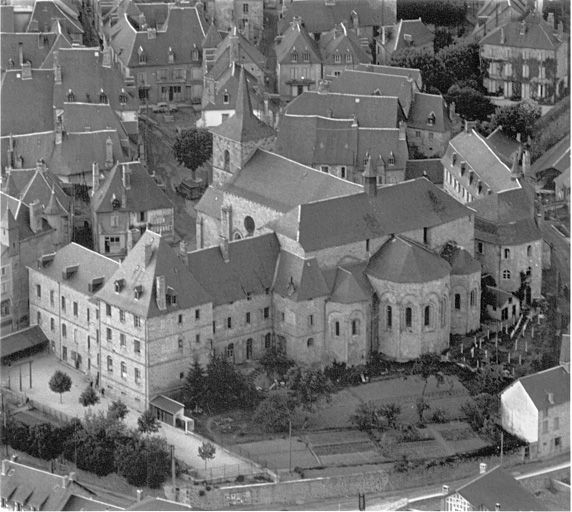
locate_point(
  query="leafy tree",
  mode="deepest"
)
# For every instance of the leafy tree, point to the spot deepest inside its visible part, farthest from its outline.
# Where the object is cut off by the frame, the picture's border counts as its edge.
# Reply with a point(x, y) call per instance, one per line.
point(433, 72)
point(88, 397)
point(148, 423)
point(421, 405)
point(275, 362)
point(366, 416)
point(480, 409)
point(432, 12)
point(207, 451)
point(44, 441)
point(490, 379)
point(426, 366)
point(462, 62)
point(193, 147)
point(117, 410)
point(519, 118)
point(17, 435)
point(60, 383)
point(390, 412)
point(470, 104)
point(308, 386)
point(273, 413)
point(443, 38)
point(195, 385)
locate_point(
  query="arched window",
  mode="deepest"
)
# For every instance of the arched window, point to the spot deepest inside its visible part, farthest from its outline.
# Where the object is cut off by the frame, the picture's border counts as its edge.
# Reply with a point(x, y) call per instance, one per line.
point(427, 316)
point(506, 254)
point(249, 224)
point(267, 340)
point(310, 342)
point(102, 96)
point(457, 301)
point(389, 317)
point(506, 274)
point(529, 251)
point(355, 327)
point(64, 331)
point(443, 312)
point(473, 297)
point(431, 119)
point(226, 163)
point(529, 271)
point(391, 159)
point(123, 370)
point(408, 317)
point(237, 236)
point(230, 350)
point(336, 328)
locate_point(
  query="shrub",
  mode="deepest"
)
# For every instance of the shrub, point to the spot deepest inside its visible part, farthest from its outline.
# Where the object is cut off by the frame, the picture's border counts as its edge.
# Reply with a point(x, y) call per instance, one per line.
point(439, 415)
point(273, 413)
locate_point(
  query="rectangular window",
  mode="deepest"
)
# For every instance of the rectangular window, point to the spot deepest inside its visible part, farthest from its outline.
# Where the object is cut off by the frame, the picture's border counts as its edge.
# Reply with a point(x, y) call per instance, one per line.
point(108, 309)
point(122, 315)
point(306, 57)
point(137, 346)
point(480, 248)
point(114, 221)
point(417, 133)
point(52, 298)
point(525, 71)
point(325, 168)
point(65, 353)
point(245, 8)
point(197, 338)
point(348, 57)
point(337, 58)
point(556, 423)
point(545, 427)
point(557, 442)
point(39, 291)
point(109, 364)
point(109, 334)
point(336, 328)
point(248, 317)
point(137, 374)
point(122, 340)
point(197, 314)
point(266, 312)
point(408, 317)
point(87, 315)
point(136, 321)
point(310, 319)
point(180, 343)
point(229, 322)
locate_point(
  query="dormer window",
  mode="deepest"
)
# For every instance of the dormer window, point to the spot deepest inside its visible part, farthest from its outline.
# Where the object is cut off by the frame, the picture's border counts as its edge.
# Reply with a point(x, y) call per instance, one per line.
point(10, 64)
point(142, 56)
point(71, 96)
point(195, 54)
point(454, 158)
point(171, 297)
point(102, 96)
point(306, 57)
point(119, 284)
point(123, 97)
point(171, 56)
point(463, 168)
point(391, 159)
point(294, 56)
point(226, 98)
point(348, 57)
point(115, 202)
point(137, 292)
point(431, 119)
point(337, 58)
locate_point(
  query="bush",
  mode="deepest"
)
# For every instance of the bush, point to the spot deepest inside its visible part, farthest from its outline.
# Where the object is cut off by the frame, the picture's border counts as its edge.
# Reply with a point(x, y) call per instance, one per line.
point(366, 417)
point(439, 415)
point(273, 413)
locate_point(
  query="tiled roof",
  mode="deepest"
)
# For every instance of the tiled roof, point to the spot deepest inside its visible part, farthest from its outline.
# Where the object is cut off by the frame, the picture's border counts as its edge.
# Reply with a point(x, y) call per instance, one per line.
point(45, 11)
point(250, 268)
point(432, 168)
point(511, 233)
point(461, 261)
point(299, 279)
point(91, 265)
point(319, 16)
point(210, 202)
point(555, 380)
point(394, 209)
point(22, 340)
point(423, 106)
point(143, 194)
point(247, 52)
point(403, 261)
point(539, 35)
point(27, 104)
point(392, 70)
point(212, 37)
point(480, 157)
point(137, 270)
point(498, 486)
point(351, 284)
point(282, 184)
point(419, 35)
point(243, 126)
point(342, 41)
point(503, 145)
point(40, 187)
point(557, 157)
point(366, 83)
point(296, 38)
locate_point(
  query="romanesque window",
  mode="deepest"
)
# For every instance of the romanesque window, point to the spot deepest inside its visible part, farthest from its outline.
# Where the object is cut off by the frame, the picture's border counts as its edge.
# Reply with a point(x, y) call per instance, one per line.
point(473, 297)
point(408, 317)
point(267, 340)
point(529, 251)
point(506, 274)
point(457, 301)
point(355, 327)
point(389, 317)
point(427, 316)
point(226, 163)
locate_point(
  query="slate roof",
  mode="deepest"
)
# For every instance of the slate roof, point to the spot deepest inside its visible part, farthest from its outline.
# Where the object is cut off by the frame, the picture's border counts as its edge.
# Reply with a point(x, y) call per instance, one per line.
point(432, 168)
point(282, 184)
point(480, 157)
point(135, 272)
point(167, 404)
point(22, 340)
point(513, 233)
point(539, 35)
point(16, 212)
point(250, 268)
point(423, 106)
point(498, 486)
point(36, 47)
point(341, 40)
point(297, 38)
point(554, 380)
point(210, 202)
point(212, 37)
point(91, 265)
point(40, 187)
point(143, 194)
point(34, 100)
point(351, 284)
point(394, 209)
point(504, 208)
point(461, 261)
point(419, 32)
point(299, 279)
point(45, 11)
point(152, 503)
point(503, 145)
point(247, 52)
point(85, 117)
point(321, 17)
point(557, 157)
point(403, 261)
point(243, 126)
point(366, 83)
point(392, 70)
point(496, 297)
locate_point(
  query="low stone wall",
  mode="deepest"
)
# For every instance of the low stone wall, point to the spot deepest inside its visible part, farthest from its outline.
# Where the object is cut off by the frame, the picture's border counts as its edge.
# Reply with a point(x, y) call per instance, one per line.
point(292, 492)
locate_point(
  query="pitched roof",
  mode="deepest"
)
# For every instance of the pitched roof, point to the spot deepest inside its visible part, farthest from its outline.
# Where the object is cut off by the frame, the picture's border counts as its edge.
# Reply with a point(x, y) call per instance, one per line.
point(151, 258)
point(296, 38)
point(425, 105)
point(539, 35)
point(243, 126)
point(45, 11)
point(210, 202)
point(212, 37)
point(250, 268)
point(15, 212)
point(367, 83)
point(34, 98)
point(35, 48)
point(394, 209)
point(247, 52)
point(554, 380)
point(461, 261)
point(403, 261)
point(513, 233)
point(85, 117)
point(142, 195)
point(40, 187)
point(407, 33)
point(31, 147)
point(506, 207)
point(498, 486)
point(22, 340)
point(496, 297)
point(392, 70)
point(91, 265)
point(342, 41)
point(431, 168)
point(557, 157)
point(282, 184)
point(299, 279)
point(351, 284)
point(152, 503)
point(503, 145)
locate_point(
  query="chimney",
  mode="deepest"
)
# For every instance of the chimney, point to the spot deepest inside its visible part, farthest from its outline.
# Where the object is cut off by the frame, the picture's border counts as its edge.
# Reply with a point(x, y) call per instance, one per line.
point(73, 476)
point(233, 48)
point(523, 28)
point(148, 253)
point(21, 54)
point(550, 20)
point(383, 35)
point(369, 178)
point(445, 490)
point(200, 8)
point(502, 38)
point(323, 86)
point(401, 130)
point(4, 467)
point(26, 71)
point(560, 31)
point(142, 21)
point(109, 152)
point(106, 63)
point(58, 74)
point(35, 216)
point(482, 468)
point(161, 292)
point(329, 113)
point(452, 112)
point(355, 19)
point(95, 177)
point(183, 252)
point(126, 171)
point(516, 169)
point(59, 127)
point(497, 506)
point(223, 244)
point(65, 481)
point(355, 123)
point(40, 165)
point(551, 398)
point(139, 494)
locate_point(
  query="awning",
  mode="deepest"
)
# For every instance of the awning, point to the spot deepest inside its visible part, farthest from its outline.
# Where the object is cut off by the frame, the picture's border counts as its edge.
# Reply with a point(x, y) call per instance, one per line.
point(22, 340)
point(167, 404)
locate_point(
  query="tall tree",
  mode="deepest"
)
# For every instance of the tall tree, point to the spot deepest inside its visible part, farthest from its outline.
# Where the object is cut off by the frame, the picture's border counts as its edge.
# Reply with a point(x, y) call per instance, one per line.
point(519, 118)
point(193, 147)
point(147, 422)
point(308, 386)
point(273, 413)
point(88, 397)
point(207, 451)
point(195, 386)
point(60, 383)
point(428, 365)
point(443, 38)
point(390, 412)
point(470, 103)
point(117, 410)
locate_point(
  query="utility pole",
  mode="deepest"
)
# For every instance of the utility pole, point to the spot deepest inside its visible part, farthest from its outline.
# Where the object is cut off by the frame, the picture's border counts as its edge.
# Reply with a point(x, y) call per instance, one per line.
point(290, 448)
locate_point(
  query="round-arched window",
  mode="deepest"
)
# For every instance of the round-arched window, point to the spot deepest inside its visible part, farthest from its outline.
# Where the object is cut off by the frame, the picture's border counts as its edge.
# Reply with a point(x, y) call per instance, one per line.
point(249, 224)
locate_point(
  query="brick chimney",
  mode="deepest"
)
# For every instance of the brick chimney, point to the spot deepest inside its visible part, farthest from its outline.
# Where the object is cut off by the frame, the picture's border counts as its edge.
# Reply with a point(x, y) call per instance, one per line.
point(550, 20)
point(35, 216)
point(126, 172)
point(94, 177)
point(109, 152)
point(161, 292)
point(183, 252)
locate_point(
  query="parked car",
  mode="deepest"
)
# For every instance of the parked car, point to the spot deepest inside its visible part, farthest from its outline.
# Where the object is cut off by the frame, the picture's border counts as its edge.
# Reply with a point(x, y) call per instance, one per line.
point(163, 108)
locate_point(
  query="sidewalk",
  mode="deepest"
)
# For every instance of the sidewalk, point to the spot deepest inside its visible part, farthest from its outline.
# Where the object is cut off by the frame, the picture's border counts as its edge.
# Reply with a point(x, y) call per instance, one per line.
point(225, 463)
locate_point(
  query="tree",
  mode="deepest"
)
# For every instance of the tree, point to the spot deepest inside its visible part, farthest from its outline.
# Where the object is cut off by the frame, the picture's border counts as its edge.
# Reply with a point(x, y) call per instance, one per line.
point(390, 412)
point(60, 383)
point(195, 386)
point(273, 413)
point(426, 366)
point(519, 118)
point(470, 103)
point(421, 405)
point(193, 147)
point(147, 422)
point(366, 416)
point(308, 386)
point(443, 38)
point(88, 397)
point(462, 62)
point(207, 451)
point(275, 362)
point(433, 72)
point(481, 409)
point(117, 410)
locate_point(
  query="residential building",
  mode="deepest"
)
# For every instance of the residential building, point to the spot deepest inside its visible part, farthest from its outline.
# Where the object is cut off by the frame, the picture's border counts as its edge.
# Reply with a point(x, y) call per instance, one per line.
point(495, 489)
point(526, 59)
point(536, 409)
point(62, 287)
point(549, 170)
point(125, 203)
point(158, 48)
point(342, 49)
point(404, 34)
point(508, 241)
point(246, 15)
point(501, 306)
point(496, 13)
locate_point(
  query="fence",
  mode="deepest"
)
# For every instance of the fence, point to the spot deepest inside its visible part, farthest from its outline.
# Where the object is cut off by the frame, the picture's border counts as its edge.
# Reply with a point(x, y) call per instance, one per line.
point(21, 399)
